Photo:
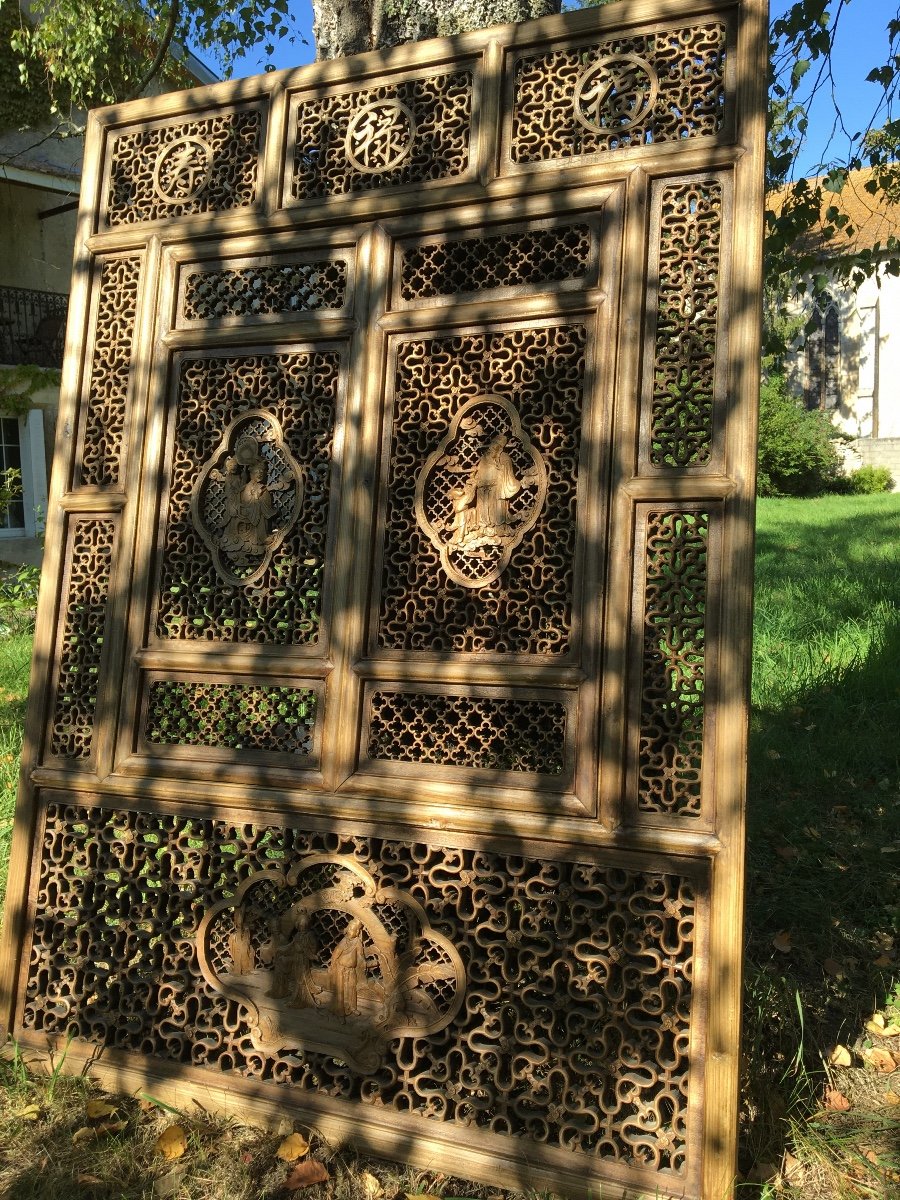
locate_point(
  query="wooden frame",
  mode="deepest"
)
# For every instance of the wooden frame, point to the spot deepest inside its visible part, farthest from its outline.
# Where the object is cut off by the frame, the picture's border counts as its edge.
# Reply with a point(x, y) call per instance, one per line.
point(523, 797)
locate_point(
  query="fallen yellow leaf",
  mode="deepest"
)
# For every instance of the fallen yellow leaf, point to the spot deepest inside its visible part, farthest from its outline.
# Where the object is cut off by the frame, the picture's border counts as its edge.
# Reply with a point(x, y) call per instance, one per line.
point(882, 1060)
point(891, 1098)
point(841, 1057)
point(84, 1134)
point(877, 1020)
point(836, 1100)
point(172, 1142)
point(98, 1108)
point(293, 1147)
point(890, 1030)
point(782, 941)
point(31, 1113)
point(371, 1186)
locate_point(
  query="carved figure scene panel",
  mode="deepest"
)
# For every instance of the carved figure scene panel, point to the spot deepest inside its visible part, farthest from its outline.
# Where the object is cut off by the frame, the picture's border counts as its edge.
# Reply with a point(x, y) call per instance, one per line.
point(515, 259)
point(414, 131)
point(249, 504)
point(482, 732)
point(233, 716)
point(261, 289)
point(209, 165)
point(102, 461)
point(89, 554)
point(685, 349)
point(619, 94)
point(675, 616)
point(495, 992)
point(481, 520)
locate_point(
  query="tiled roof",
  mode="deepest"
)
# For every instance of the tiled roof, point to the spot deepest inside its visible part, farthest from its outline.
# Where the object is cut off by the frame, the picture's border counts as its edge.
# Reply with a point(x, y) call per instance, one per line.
point(873, 218)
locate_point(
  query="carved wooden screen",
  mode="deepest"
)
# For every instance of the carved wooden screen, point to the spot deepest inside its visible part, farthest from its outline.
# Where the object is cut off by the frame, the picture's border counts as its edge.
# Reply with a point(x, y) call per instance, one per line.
point(385, 757)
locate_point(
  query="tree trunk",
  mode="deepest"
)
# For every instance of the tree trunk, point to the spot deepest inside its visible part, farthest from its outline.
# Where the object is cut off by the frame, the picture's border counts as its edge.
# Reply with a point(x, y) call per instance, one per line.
point(348, 26)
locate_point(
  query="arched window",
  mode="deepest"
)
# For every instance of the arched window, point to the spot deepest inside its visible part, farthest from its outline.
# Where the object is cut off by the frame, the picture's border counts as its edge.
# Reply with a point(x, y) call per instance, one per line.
point(823, 357)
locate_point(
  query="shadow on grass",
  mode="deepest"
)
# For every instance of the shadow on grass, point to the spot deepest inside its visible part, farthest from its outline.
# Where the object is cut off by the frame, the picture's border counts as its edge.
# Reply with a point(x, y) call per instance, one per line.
point(822, 882)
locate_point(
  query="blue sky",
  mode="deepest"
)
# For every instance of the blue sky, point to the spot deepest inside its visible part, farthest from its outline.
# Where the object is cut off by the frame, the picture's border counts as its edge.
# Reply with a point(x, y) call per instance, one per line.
point(861, 44)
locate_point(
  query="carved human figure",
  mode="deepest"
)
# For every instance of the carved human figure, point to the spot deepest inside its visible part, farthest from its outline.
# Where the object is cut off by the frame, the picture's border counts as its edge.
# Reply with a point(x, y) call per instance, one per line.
point(495, 486)
point(304, 953)
point(347, 971)
point(247, 503)
point(239, 944)
point(283, 957)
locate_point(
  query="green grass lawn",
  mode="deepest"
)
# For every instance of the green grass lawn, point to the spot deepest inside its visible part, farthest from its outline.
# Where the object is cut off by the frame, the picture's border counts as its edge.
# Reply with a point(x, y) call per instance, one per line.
point(823, 863)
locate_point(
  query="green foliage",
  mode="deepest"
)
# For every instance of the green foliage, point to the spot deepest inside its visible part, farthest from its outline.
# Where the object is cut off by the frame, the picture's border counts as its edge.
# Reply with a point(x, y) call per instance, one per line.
point(797, 456)
point(869, 481)
point(10, 488)
point(18, 385)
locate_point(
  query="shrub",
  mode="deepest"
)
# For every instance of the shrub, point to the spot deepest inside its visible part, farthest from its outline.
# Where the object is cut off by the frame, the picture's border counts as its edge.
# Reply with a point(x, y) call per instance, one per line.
point(868, 480)
point(797, 456)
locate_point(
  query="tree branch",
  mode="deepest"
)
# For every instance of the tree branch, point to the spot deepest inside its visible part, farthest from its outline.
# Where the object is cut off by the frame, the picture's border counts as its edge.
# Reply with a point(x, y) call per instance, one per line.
point(161, 53)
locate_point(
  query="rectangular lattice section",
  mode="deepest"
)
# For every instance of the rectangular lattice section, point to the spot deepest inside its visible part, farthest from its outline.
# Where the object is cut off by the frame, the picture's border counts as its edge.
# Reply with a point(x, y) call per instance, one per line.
point(269, 289)
point(90, 552)
point(106, 395)
point(673, 666)
point(280, 720)
point(225, 946)
point(535, 377)
point(412, 132)
point(203, 166)
point(488, 733)
point(474, 264)
point(244, 557)
point(685, 350)
point(624, 93)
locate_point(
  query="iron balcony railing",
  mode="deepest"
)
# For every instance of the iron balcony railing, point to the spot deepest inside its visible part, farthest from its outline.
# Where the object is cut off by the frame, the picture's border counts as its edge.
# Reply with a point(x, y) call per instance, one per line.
point(32, 327)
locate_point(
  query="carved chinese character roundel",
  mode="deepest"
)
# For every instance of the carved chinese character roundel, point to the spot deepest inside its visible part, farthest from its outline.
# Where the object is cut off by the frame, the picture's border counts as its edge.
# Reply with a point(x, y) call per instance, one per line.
point(481, 491)
point(247, 497)
point(615, 93)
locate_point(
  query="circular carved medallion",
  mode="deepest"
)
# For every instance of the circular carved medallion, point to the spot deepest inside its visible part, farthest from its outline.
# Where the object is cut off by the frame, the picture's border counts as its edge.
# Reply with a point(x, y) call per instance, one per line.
point(615, 93)
point(183, 169)
point(380, 136)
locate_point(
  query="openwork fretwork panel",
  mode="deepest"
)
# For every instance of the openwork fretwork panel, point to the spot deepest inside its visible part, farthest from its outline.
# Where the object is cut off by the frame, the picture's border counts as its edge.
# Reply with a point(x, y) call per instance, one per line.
point(103, 447)
point(674, 656)
point(202, 166)
point(523, 386)
point(489, 733)
point(249, 500)
point(684, 364)
point(625, 93)
point(412, 132)
point(269, 289)
point(475, 264)
point(573, 989)
point(90, 550)
point(235, 716)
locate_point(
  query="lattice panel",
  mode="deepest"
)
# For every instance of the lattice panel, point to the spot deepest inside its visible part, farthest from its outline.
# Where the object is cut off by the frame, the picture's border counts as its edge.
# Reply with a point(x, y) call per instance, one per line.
point(200, 597)
point(203, 166)
point(491, 734)
point(235, 716)
point(624, 93)
point(266, 290)
point(579, 981)
point(103, 446)
point(684, 365)
point(674, 657)
point(528, 609)
point(385, 136)
point(475, 264)
point(90, 551)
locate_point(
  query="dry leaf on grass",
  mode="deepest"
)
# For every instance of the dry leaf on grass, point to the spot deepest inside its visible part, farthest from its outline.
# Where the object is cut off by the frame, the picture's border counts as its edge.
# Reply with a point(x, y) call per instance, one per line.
point(304, 1175)
point(841, 1057)
point(172, 1142)
point(834, 968)
point(94, 1109)
point(371, 1186)
point(891, 1098)
point(836, 1101)
point(882, 1060)
point(31, 1113)
point(85, 1134)
point(782, 941)
point(293, 1147)
point(170, 1183)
